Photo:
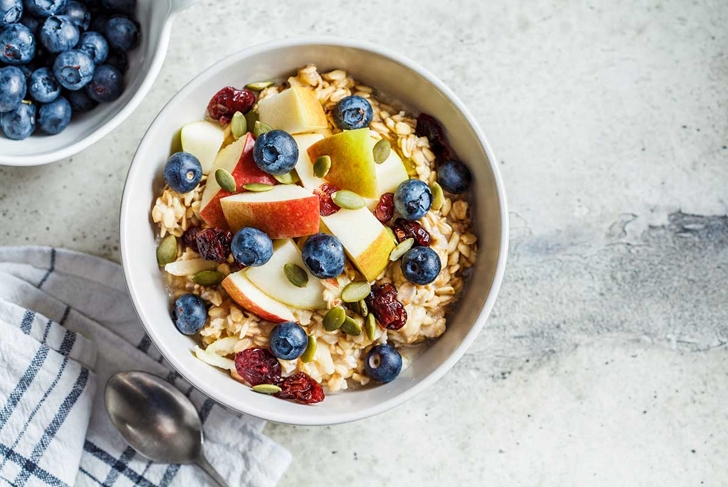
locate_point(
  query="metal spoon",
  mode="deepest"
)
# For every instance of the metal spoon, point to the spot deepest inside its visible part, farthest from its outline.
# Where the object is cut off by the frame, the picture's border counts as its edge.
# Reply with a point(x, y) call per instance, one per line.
point(157, 420)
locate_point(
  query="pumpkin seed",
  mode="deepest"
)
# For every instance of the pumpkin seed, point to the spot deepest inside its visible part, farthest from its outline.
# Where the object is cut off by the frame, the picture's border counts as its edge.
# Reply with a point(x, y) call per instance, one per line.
point(351, 327)
point(401, 249)
point(370, 326)
point(287, 178)
point(310, 350)
point(208, 278)
point(226, 180)
point(250, 118)
point(354, 307)
point(381, 151)
point(355, 291)
point(267, 389)
point(322, 166)
point(348, 200)
point(259, 85)
point(334, 318)
point(391, 233)
point(167, 250)
point(297, 276)
point(438, 197)
point(363, 308)
point(257, 187)
point(238, 125)
point(260, 128)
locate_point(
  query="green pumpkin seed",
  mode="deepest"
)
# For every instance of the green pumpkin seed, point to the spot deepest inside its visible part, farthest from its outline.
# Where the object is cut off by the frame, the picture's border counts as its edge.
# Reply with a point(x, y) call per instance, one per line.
point(167, 250)
point(391, 234)
point(370, 326)
point(226, 180)
point(238, 125)
point(351, 327)
point(288, 178)
point(297, 276)
point(259, 85)
point(401, 249)
point(354, 307)
point(381, 151)
point(363, 308)
point(208, 278)
point(322, 166)
point(260, 128)
point(348, 200)
point(267, 389)
point(310, 350)
point(355, 291)
point(334, 318)
point(250, 118)
point(438, 197)
point(257, 187)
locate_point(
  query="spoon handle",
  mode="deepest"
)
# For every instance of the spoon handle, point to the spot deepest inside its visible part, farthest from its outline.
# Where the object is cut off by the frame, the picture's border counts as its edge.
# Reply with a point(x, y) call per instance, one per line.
point(211, 472)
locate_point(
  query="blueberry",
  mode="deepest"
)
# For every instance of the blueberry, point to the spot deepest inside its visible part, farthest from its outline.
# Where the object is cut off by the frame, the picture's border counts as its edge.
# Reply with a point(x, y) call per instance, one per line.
point(122, 6)
point(353, 112)
point(58, 34)
point(122, 33)
point(412, 199)
point(251, 247)
point(454, 176)
point(43, 86)
point(98, 23)
point(189, 314)
point(288, 341)
point(119, 60)
point(12, 88)
point(73, 69)
point(183, 172)
point(107, 84)
point(10, 11)
point(78, 13)
point(383, 363)
point(18, 124)
point(94, 44)
point(44, 8)
point(18, 44)
point(323, 254)
point(27, 69)
point(79, 100)
point(275, 152)
point(55, 116)
point(32, 23)
point(420, 265)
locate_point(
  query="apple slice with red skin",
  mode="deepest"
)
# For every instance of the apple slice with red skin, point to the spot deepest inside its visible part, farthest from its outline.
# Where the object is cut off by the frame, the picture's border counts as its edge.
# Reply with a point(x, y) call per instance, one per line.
point(243, 292)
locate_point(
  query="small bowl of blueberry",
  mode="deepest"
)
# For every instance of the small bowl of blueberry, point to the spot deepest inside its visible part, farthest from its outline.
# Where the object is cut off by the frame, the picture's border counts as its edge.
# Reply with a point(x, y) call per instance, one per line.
point(72, 70)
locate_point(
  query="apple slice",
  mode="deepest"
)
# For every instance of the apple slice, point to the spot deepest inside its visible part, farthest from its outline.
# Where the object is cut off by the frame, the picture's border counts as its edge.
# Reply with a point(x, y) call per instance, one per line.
point(304, 166)
point(365, 240)
point(286, 211)
point(390, 173)
point(271, 279)
point(243, 292)
point(189, 267)
point(237, 159)
point(295, 110)
point(352, 161)
point(203, 140)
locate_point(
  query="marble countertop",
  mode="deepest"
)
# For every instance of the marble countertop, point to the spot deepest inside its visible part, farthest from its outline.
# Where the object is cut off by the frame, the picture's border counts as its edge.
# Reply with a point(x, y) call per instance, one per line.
point(604, 361)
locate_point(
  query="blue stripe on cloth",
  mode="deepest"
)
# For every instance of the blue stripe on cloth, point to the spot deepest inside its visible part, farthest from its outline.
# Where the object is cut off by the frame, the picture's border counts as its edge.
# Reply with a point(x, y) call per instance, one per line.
point(27, 323)
point(32, 467)
point(37, 408)
point(65, 315)
point(69, 339)
point(47, 331)
point(169, 475)
point(89, 475)
point(146, 468)
point(145, 344)
point(55, 424)
point(50, 269)
point(23, 384)
point(205, 409)
point(109, 460)
point(119, 466)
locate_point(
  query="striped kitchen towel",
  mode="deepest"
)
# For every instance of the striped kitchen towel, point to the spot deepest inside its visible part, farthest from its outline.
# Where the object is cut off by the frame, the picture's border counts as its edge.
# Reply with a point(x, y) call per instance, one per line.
point(67, 325)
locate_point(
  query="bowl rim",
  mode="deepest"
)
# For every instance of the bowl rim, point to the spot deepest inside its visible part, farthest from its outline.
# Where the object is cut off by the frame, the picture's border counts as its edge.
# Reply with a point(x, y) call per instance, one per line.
point(466, 342)
point(103, 130)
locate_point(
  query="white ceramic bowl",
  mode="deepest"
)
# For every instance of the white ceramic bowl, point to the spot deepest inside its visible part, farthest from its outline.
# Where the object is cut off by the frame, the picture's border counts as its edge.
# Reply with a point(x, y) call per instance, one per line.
point(155, 17)
point(385, 71)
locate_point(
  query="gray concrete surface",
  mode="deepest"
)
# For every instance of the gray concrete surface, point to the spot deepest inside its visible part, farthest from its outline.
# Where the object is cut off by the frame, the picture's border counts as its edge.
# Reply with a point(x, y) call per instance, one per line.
point(604, 362)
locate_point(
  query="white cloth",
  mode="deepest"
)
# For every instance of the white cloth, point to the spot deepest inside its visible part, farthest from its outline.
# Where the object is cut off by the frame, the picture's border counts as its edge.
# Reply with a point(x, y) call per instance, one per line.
point(66, 325)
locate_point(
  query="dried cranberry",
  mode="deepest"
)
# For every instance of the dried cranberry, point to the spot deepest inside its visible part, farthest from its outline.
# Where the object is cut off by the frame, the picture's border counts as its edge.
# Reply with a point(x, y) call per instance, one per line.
point(428, 126)
point(229, 100)
point(258, 366)
point(301, 388)
point(385, 208)
point(214, 244)
point(326, 204)
point(385, 306)
point(404, 229)
point(189, 238)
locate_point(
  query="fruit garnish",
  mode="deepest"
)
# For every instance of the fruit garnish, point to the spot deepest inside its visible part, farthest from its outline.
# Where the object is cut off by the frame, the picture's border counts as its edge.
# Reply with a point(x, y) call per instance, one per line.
point(295, 275)
point(438, 197)
point(182, 172)
point(353, 112)
point(258, 366)
point(302, 388)
point(251, 247)
point(413, 199)
point(428, 126)
point(381, 151)
point(326, 204)
point(189, 314)
point(229, 100)
point(275, 152)
point(323, 255)
point(288, 340)
point(334, 318)
point(404, 229)
point(421, 265)
point(355, 291)
point(214, 244)
point(189, 238)
point(351, 327)
point(348, 200)
point(401, 249)
point(454, 176)
point(238, 125)
point(266, 389)
point(385, 208)
point(167, 250)
point(385, 306)
point(383, 363)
